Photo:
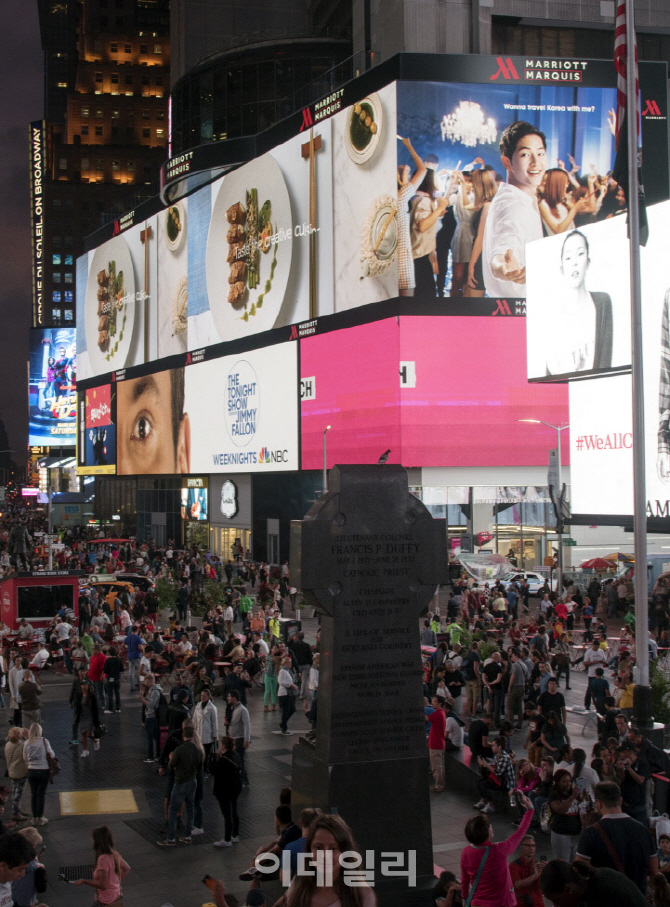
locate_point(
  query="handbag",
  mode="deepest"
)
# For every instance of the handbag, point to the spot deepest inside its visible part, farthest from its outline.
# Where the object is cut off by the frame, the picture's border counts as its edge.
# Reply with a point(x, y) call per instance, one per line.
point(482, 863)
point(54, 765)
point(99, 731)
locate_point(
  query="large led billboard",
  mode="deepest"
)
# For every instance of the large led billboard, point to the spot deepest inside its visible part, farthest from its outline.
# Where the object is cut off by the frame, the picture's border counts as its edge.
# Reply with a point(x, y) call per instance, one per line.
point(52, 387)
point(235, 413)
point(318, 222)
point(437, 391)
point(96, 437)
point(601, 425)
point(578, 305)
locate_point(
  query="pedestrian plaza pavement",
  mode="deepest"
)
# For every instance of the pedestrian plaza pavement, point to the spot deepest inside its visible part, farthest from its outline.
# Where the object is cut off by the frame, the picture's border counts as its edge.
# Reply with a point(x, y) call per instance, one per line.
point(129, 800)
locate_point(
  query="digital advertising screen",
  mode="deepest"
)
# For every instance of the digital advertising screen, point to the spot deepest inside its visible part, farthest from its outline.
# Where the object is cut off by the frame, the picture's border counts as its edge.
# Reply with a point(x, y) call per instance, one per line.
point(194, 498)
point(443, 391)
point(52, 388)
point(601, 423)
point(242, 412)
point(96, 447)
point(578, 304)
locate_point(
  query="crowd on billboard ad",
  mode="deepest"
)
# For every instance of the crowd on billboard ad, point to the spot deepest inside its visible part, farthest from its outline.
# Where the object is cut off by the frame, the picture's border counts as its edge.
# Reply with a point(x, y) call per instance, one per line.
point(52, 392)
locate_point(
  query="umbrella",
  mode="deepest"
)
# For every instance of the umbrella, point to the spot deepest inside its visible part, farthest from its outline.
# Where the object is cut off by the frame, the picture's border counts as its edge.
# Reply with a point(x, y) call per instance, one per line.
point(599, 564)
point(620, 556)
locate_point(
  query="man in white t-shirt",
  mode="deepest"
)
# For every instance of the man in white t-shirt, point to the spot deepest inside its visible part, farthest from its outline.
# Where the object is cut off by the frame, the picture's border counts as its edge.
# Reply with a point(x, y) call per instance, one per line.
point(40, 657)
point(593, 658)
point(62, 630)
point(514, 216)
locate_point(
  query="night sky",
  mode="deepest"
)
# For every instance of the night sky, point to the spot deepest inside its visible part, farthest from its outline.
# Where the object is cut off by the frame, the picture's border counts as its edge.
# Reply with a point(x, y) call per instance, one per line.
point(21, 100)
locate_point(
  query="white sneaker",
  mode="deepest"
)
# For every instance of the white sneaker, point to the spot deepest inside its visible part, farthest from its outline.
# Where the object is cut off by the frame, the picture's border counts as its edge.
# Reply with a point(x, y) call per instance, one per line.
point(83, 754)
point(488, 809)
point(96, 744)
point(235, 840)
point(107, 712)
point(480, 804)
point(197, 831)
point(222, 843)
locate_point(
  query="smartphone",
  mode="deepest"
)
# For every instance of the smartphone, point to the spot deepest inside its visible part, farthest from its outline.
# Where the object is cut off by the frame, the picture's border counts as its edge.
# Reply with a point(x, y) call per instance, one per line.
point(63, 878)
point(543, 858)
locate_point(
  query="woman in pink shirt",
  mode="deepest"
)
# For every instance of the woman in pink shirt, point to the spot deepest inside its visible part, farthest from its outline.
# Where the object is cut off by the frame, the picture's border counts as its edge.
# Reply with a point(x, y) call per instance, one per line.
point(494, 888)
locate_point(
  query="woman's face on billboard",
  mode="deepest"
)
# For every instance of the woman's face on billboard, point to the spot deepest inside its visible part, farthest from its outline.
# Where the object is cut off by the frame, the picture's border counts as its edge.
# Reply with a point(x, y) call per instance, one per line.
point(574, 260)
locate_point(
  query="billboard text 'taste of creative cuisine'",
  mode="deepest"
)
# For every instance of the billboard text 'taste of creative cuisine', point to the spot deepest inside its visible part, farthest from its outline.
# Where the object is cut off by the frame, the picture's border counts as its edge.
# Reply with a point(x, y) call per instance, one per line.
point(436, 391)
point(52, 391)
point(601, 425)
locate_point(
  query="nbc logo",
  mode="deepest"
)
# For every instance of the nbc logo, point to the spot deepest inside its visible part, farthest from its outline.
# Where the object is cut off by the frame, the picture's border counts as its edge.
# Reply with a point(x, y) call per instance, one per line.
point(264, 455)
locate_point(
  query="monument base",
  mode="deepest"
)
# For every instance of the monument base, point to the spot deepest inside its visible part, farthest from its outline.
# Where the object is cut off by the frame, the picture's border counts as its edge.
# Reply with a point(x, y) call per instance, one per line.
point(355, 791)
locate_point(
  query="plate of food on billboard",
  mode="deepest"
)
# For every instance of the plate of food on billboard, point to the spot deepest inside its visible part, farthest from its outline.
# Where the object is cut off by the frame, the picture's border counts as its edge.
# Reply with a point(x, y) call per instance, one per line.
point(249, 249)
point(110, 306)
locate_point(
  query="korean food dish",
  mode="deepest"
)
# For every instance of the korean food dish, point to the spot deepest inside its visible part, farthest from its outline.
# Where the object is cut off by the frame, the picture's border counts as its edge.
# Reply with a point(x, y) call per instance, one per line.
point(110, 303)
point(362, 125)
point(173, 223)
point(249, 237)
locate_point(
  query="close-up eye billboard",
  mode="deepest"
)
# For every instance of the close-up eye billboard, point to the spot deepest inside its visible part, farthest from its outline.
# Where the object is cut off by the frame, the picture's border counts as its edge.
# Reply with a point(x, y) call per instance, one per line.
point(52, 388)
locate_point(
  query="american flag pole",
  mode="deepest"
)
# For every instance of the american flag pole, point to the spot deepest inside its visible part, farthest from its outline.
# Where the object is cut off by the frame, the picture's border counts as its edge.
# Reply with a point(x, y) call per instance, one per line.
point(642, 696)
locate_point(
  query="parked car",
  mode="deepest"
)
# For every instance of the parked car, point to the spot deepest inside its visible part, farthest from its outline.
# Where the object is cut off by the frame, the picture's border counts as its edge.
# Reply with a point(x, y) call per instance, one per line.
point(535, 580)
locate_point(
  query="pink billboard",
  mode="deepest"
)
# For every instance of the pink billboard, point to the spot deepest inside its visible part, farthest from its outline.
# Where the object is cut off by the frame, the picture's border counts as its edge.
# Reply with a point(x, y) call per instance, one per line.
point(437, 391)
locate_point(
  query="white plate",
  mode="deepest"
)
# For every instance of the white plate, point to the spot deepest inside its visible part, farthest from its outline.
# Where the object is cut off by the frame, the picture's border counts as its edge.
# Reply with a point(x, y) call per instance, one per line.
point(363, 155)
point(115, 356)
point(175, 244)
point(266, 177)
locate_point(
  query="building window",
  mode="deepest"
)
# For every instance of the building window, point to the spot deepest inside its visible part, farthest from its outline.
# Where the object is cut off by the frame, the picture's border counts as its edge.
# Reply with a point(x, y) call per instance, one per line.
point(98, 78)
point(55, 259)
point(146, 115)
point(116, 166)
point(160, 133)
point(98, 114)
point(56, 276)
point(130, 130)
point(127, 48)
point(130, 166)
point(99, 165)
point(146, 133)
point(113, 48)
point(160, 114)
point(62, 163)
point(68, 260)
point(84, 130)
point(144, 48)
point(116, 114)
point(159, 80)
point(84, 111)
point(85, 164)
point(115, 78)
point(158, 49)
point(115, 130)
point(56, 296)
point(129, 79)
point(68, 295)
point(145, 80)
point(62, 84)
point(68, 277)
point(98, 130)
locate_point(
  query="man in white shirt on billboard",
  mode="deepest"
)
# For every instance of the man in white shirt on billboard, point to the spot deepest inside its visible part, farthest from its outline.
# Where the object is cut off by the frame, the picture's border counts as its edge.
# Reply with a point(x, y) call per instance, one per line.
point(514, 217)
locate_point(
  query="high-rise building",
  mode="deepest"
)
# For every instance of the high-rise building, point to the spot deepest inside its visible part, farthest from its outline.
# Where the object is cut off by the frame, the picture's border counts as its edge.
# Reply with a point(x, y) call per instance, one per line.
point(98, 151)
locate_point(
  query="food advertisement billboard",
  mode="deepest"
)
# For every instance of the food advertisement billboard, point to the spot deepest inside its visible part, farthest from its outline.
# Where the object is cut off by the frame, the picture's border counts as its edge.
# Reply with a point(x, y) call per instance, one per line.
point(601, 424)
point(52, 388)
point(437, 391)
point(96, 438)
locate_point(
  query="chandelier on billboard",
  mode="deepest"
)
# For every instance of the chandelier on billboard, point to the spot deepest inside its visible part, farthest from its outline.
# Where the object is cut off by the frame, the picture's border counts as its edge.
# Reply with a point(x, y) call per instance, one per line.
point(468, 126)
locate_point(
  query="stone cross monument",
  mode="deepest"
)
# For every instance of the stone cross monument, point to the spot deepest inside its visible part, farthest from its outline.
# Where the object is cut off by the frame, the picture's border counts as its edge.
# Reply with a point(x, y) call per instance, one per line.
point(370, 555)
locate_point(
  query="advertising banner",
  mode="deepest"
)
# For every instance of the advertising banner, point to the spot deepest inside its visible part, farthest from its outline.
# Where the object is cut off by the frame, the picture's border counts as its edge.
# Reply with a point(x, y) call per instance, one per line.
point(96, 447)
point(195, 498)
point(601, 439)
point(36, 140)
point(52, 387)
point(578, 305)
point(437, 391)
point(243, 412)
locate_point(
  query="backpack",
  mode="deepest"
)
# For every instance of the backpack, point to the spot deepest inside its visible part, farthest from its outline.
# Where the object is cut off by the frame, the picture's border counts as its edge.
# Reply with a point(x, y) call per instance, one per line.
point(467, 667)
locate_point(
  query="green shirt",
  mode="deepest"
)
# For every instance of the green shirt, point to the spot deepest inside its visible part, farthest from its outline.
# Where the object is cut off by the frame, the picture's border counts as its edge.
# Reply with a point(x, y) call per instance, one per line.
point(87, 644)
point(245, 604)
point(454, 630)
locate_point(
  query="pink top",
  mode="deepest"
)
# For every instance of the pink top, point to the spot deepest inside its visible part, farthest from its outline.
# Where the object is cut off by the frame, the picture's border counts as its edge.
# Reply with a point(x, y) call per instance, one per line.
point(113, 891)
point(495, 888)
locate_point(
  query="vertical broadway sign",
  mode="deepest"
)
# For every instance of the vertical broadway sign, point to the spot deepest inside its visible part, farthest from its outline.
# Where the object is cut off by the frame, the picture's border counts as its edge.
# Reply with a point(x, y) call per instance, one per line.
point(36, 133)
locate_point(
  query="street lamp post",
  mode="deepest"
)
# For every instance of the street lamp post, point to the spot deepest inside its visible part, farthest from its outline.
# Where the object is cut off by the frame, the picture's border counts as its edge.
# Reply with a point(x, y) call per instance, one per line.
point(558, 495)
point(325, 471)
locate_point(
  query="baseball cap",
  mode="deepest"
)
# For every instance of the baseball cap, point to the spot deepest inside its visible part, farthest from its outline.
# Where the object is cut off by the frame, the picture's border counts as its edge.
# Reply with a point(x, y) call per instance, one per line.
point(255, 898)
